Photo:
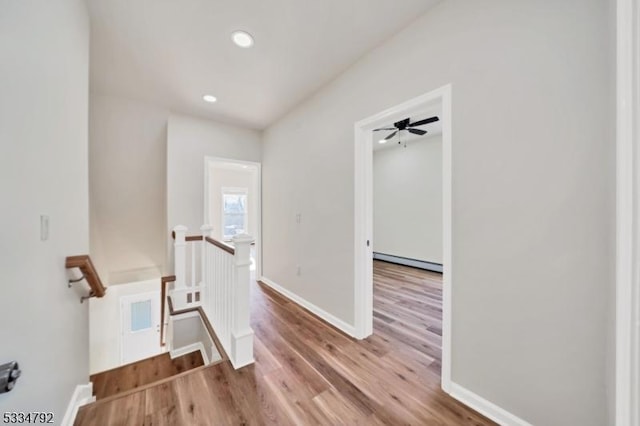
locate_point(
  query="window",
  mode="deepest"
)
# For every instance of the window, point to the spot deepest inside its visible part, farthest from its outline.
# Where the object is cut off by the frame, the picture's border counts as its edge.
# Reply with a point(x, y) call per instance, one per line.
point(234, 212)
point(140, 315)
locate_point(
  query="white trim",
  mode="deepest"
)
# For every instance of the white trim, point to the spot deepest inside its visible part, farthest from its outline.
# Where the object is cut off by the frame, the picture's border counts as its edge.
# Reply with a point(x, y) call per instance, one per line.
point(197, 346)
point(82, 395)
point(330, 318)
point(486, 408)
point(363, 223)
point(447, 226)
point(627, 223)
point(257, 209)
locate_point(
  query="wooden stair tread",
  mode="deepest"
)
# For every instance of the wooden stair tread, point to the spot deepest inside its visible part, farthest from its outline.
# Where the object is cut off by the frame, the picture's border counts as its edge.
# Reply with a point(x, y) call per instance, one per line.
point(141, 373)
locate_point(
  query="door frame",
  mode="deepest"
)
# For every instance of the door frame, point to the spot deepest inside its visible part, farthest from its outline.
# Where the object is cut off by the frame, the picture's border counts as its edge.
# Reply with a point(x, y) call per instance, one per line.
point(627, 367)
point(363, 217)
point(256, 210)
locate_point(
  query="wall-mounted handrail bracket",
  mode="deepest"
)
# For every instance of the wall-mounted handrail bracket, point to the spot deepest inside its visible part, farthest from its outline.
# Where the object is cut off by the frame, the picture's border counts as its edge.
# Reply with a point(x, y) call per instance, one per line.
point(83, 298)
point(77, 280)
point(73, 281)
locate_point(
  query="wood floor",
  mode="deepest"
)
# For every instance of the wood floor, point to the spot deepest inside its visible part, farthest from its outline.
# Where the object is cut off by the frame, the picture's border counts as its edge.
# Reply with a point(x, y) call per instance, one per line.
point(141, 373)
point(309, 373)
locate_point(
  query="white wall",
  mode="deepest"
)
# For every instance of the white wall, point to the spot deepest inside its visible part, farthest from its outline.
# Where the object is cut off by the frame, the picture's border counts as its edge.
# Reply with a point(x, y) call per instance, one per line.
point(189, 329)
point(407, 200)
point(105, 324)
point(132, 194)
point(533, 178)
point(127, 166)
point(220, 178)
point(189, 141)
point(44, 64)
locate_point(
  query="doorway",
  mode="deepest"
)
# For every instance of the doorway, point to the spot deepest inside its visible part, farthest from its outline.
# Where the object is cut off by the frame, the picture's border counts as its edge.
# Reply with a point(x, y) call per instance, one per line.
point(439, 99)
point(407, 191)
point(232, 202)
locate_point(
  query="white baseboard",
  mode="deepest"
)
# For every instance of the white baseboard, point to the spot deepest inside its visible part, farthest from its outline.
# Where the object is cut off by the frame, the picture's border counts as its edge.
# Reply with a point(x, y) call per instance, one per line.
point(198, 346)
point(488, 409)
point(82, 395)
point(331, 319)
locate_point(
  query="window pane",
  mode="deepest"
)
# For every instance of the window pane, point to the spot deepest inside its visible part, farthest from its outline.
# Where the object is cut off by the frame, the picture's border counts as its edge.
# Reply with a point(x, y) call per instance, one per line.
point(234, 211)
point(141, 315)
point(235, 203)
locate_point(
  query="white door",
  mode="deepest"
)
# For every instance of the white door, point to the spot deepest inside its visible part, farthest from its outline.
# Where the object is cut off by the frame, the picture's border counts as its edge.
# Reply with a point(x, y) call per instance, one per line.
point(140, 326)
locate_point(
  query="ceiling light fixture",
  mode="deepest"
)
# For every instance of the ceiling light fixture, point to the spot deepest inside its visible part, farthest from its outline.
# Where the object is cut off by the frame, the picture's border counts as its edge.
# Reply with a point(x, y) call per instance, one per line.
point(242, 38)
point(209, 98)
point(383, 141)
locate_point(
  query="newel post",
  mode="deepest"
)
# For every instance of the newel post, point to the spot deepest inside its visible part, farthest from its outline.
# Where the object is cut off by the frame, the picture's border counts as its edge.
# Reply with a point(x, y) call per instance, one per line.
point(180, 255)
point(242, 334)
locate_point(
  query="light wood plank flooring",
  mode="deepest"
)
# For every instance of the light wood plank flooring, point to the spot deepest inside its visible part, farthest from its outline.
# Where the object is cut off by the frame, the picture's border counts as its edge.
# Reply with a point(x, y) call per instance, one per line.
point(306, 372)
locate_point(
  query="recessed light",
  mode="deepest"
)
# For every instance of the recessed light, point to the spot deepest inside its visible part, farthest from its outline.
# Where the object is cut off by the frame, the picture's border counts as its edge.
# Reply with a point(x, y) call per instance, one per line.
point(383, 141)
point(209, 98)
point(242, 38)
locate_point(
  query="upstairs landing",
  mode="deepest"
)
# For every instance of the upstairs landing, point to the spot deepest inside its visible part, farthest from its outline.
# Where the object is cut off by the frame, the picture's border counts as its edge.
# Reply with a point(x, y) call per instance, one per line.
point(307, 372)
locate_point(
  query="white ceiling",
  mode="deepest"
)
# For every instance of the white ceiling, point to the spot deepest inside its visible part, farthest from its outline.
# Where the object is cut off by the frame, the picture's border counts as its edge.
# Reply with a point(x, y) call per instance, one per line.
point(172, 52)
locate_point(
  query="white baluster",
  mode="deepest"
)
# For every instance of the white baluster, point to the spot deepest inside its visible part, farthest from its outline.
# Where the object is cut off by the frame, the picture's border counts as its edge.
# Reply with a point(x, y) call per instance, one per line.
point(179, 263)
point(205, 231)
point(193, 264)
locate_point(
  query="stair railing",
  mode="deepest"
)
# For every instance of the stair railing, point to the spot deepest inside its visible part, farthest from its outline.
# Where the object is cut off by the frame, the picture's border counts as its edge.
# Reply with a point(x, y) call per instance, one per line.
point(222, 288)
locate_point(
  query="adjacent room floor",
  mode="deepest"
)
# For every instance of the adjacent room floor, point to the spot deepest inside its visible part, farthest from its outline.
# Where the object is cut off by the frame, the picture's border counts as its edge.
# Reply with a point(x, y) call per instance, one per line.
point(306, 372)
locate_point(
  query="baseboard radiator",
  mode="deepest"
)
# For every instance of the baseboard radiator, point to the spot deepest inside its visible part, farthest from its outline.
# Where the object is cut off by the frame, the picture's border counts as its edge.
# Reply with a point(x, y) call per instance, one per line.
point(421, 264)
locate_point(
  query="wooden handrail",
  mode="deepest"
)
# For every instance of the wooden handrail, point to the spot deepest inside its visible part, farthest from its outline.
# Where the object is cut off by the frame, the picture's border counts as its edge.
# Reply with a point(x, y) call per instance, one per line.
point(205, 321)
point(89, 273)
point(188, 237)
point(221, 244)
point(163, 296)
point(224, 246)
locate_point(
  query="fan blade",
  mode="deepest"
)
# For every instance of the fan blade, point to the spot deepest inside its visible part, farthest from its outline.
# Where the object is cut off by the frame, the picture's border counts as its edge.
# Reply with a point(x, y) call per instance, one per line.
point(425, 121)
point(384, 128)
point(417, 131)
point(390, 136)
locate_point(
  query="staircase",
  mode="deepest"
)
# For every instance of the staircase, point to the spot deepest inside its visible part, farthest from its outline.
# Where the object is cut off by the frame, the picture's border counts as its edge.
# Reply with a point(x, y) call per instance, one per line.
point(215, 287)
point(121, 392)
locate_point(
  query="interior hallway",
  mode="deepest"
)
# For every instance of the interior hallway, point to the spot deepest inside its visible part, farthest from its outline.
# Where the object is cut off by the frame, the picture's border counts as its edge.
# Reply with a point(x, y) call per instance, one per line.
point(306, 372)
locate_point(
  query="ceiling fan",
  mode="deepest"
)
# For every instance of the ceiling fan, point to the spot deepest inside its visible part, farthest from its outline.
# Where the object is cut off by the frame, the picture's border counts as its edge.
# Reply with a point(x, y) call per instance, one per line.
point(407, 125)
